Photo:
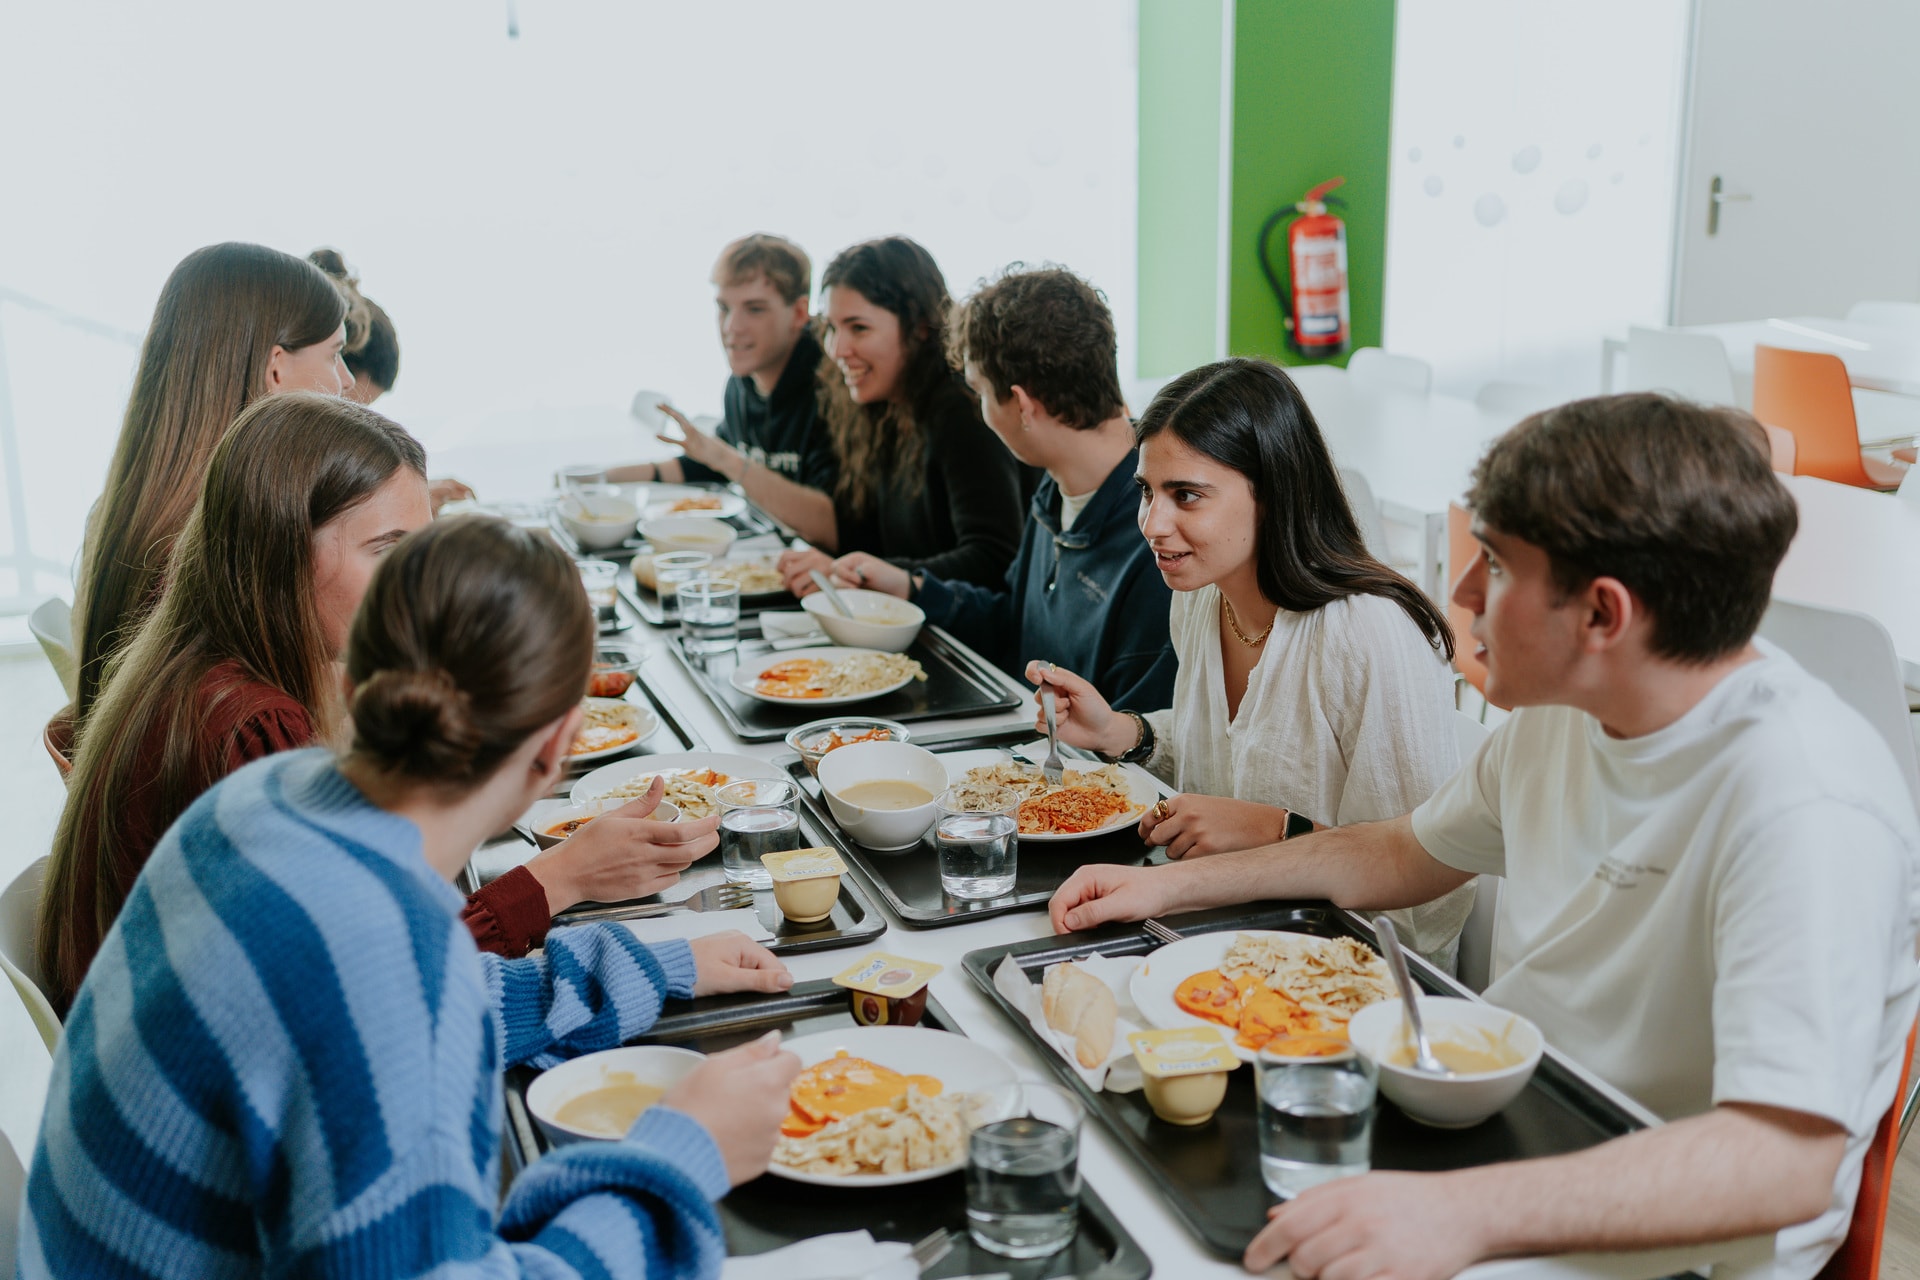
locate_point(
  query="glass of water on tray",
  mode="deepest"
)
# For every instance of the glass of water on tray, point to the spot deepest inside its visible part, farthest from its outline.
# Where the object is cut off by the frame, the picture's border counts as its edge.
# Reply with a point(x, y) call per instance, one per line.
point(1316, 1112)
point(1023, 1173)
point(977, 834)
point(671, 568)
point(756, 818)
point(709, 617)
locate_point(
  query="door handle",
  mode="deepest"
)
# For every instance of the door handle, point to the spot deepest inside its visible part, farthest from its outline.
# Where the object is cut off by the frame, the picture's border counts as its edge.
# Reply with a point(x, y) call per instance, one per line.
point(1717, 197)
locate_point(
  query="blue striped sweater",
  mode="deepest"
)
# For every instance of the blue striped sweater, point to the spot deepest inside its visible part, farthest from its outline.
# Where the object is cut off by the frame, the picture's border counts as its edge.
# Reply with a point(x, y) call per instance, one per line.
point(286, 1062)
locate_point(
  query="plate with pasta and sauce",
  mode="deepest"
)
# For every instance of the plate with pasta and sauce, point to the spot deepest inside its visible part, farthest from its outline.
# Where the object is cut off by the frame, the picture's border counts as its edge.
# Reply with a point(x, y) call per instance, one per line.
point(611, 726)
point(1092, 800)
point(827, 676)
point(692, 779)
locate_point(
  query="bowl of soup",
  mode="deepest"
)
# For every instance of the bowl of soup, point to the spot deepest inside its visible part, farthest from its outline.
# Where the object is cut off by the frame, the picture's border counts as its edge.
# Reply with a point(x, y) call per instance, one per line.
point(879, 621)
point(599, 520)
point(882, 793)
point(689, 533)
point(1489, 1054)
point(597, 1097)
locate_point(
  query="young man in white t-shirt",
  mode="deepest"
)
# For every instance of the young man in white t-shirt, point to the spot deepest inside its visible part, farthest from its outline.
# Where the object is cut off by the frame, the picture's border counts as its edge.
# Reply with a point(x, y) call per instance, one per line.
point(1709, 864)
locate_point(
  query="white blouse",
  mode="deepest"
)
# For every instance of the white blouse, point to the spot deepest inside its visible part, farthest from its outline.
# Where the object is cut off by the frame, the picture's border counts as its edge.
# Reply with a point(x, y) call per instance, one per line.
point(1345, 719)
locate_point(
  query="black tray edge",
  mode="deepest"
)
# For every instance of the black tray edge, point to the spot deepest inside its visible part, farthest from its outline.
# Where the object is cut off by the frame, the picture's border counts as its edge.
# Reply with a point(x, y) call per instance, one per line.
point(1568, 1083)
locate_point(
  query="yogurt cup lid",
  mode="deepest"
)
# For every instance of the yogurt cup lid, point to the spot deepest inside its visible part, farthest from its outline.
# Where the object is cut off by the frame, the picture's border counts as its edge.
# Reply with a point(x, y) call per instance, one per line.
point(803, 864)
point(888, 975)
point(1181, 1051)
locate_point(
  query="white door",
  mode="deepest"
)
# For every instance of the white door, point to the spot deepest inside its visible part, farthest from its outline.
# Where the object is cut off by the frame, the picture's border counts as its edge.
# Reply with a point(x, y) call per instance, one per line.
point(1807, 115)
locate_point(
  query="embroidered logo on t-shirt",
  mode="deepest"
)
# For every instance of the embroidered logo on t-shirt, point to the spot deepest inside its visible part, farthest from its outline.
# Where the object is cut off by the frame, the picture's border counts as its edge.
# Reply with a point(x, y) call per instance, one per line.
point(1093, 588)
point(1624, 875)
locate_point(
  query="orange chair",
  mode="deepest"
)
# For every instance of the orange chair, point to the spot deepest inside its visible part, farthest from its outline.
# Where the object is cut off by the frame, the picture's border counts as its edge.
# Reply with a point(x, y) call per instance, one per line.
point(1807, 393)
point(58, 740)
point(1858, 1257)
point(1461, 549)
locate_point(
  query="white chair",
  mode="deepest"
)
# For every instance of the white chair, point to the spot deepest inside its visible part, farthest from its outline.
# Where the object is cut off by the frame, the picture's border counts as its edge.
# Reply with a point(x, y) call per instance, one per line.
point(1691, 365)
point(19, 914)
point(1854, 655)
point(1891, 315)
point(1366, 510)
point(1475, 957)
point(26, 1069)
point(52, 626)
point(1370, 366)
point(1512, 401)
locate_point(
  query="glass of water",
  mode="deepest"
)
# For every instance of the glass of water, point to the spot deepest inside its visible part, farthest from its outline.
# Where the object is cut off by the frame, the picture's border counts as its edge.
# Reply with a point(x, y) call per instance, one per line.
point(756, 818)
point(709, 617)
point(977, 834)
point(1316, 1112)
point(599, 577)
point(675, 567)
point(1023, 1173)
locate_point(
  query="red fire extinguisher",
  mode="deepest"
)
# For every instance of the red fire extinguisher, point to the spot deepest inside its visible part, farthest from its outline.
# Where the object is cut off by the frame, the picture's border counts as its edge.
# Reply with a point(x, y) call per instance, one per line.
point(1312, 287)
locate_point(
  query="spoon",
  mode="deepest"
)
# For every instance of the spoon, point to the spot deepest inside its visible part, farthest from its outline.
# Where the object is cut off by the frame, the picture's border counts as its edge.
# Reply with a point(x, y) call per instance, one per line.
point(821, 581)
point(1423, 1057)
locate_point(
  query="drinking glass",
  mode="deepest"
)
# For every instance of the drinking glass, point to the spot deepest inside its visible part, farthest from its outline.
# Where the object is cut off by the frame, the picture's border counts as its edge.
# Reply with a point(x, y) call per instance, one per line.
point(709, 617)
point(599, 577)
point(672, 568)
point(977, 833)
point(1316, 1112)
point(582, 475)
point(1023, 1174)
point(756, 818)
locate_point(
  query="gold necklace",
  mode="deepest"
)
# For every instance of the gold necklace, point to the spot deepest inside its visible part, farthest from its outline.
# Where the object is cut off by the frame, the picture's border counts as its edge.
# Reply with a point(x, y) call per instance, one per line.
point(1252, 643)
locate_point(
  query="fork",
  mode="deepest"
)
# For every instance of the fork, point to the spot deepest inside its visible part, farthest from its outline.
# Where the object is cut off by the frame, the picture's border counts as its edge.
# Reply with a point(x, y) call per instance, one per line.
point(1159, 931)
point(719, 897)
point(1051, 768)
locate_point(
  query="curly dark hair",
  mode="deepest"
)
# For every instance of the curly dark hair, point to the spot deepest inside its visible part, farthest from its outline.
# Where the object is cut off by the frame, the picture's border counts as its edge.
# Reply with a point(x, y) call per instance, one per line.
point(1048, 332)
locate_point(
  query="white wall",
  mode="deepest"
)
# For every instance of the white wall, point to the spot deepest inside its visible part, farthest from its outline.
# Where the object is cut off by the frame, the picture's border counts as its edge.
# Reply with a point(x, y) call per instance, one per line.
point(539, 214)
point(1531, 205)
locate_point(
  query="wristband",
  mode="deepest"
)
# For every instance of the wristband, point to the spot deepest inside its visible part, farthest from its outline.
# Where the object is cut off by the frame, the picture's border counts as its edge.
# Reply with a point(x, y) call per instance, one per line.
point(1142, 747)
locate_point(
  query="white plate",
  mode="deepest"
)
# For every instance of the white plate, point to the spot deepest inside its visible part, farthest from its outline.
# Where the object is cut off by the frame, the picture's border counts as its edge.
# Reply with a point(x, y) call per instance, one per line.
point(747, 672)
point(636, 715)
point(1155, 981)
point(656, 502)
point(1144, 786)
point(593, 785)
point(961, 1065)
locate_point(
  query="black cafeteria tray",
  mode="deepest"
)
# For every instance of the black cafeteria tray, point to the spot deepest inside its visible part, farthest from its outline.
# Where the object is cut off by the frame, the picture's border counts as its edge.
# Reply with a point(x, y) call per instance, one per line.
point(957, 684)
point(853, 921)
point(771, 1212)
point(647, 605)
point(910, 879)
point(1210, 1174)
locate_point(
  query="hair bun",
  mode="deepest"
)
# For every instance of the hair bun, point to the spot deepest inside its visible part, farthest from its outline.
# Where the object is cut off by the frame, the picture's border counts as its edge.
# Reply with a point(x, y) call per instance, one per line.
point(416, 722)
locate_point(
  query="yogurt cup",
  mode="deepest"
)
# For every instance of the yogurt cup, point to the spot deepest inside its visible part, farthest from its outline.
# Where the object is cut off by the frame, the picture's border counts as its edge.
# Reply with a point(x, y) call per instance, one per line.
point(806, 882)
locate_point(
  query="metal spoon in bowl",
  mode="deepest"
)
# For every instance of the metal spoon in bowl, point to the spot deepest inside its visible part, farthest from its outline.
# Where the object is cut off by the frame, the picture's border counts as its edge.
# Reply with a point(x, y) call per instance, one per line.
point(825, 584)
point(1423, 1056)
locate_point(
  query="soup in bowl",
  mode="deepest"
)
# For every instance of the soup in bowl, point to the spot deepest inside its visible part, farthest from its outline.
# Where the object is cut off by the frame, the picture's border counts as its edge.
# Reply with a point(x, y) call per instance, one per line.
point(875, 791)
point(879, 621)
point(1490, 1054)
point(597, 1097)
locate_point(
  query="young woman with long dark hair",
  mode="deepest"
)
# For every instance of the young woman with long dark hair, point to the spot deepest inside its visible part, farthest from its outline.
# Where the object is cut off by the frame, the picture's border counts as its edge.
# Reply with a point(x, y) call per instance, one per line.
point(1313, 679)
point(301, 501)
point(288, 1056)
point(922, 482)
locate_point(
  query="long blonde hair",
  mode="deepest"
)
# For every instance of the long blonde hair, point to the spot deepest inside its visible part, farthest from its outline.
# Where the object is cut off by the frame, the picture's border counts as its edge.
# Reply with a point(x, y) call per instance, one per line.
point(240, 588)
point(222, 312)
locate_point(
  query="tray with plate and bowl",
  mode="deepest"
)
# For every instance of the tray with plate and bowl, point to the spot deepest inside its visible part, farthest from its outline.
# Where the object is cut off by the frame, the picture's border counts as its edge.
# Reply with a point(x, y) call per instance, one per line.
point(752, 570)
point(762, 692)
point(894, 848)
point(1534, 1103)
point(790, 1203)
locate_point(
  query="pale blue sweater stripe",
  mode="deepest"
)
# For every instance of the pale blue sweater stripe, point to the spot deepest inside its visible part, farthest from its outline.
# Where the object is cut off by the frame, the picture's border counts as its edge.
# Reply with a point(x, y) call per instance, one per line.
point(286, 1062)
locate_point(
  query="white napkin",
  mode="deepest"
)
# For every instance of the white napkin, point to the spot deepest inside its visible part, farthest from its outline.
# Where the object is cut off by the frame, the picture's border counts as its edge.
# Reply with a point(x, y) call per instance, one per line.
point(791, 624)
point(1119, 1073)
point(698, 924)
point(850, 1255)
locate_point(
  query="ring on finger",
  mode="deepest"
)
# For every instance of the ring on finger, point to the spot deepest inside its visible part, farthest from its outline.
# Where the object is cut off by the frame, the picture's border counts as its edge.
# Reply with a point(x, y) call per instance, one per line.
point(1161, 811)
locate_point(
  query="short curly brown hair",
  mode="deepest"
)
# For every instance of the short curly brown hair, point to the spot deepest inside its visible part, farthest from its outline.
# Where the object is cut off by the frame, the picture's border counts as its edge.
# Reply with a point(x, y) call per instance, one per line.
point(1048, 332)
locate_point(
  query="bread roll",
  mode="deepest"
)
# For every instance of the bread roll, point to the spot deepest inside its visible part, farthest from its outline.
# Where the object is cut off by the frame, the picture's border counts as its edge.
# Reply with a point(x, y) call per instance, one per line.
point(1076, 1003)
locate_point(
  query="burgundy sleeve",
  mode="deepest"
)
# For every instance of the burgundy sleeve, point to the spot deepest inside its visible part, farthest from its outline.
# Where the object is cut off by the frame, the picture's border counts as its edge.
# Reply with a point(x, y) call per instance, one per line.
point(282, 725)
point(508, 917)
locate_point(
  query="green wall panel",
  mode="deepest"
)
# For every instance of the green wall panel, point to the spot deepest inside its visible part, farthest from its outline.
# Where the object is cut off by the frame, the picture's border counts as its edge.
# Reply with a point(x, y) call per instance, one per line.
point(1181, 63)
point(1312, 98)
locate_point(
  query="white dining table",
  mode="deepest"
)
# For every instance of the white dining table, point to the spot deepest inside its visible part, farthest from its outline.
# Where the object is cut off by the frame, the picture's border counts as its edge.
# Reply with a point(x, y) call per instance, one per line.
point(1857, 550)
point(1878, 357)
point(1134, 1198)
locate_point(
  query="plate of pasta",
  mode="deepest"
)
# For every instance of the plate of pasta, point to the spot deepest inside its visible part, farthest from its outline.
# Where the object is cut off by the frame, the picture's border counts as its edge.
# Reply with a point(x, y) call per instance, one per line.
point(1091, 800)
point(692, 779)
point(612, 725)
point(659, 500)
point(827, 676)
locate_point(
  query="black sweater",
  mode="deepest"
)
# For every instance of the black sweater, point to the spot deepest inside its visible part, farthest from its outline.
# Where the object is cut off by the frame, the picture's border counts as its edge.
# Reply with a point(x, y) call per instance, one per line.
point(962, 519)
point(782, 431)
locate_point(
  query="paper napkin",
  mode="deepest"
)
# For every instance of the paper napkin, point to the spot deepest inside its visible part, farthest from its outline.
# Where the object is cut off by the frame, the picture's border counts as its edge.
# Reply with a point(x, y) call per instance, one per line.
point(1119, 1073)
point(849, 1255)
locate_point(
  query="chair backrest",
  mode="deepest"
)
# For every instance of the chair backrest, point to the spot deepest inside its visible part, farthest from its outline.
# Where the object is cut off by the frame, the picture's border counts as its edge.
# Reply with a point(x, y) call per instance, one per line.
point(1461, 549)
point(1807, 393)
point(1780, 448)
point(1854, 655)
point(1891, 315)
point(1910, 487)
point(57, 738)
point(52, 625)
point(1373, 367)
point(1474, 962)
point(19, 914)
point(26, 1068)
point(1691, 365)
point(1366, 509)
point(1858, 1257)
